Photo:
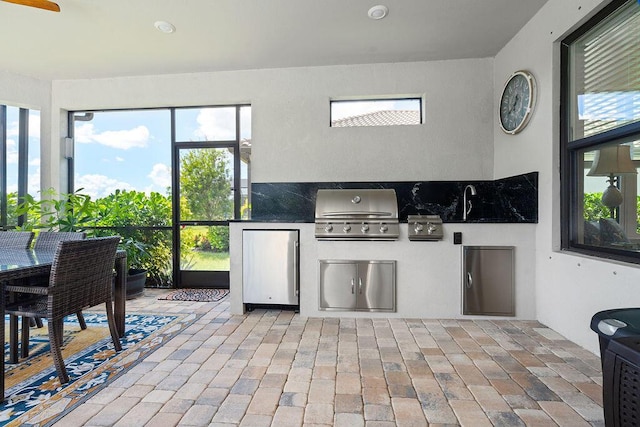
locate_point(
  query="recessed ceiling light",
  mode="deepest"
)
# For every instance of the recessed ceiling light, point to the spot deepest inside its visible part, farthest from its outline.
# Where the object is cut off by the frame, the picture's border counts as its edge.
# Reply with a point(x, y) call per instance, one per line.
point(378, 12)
point(164, 26)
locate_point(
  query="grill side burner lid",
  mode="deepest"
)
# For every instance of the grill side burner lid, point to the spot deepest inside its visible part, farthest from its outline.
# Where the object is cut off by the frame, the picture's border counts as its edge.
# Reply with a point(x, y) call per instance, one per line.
point(356, 214)
point(425, 227)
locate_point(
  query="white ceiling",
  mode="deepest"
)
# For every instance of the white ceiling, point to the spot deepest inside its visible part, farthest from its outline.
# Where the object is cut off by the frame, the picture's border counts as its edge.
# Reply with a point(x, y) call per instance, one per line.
point(104, 38)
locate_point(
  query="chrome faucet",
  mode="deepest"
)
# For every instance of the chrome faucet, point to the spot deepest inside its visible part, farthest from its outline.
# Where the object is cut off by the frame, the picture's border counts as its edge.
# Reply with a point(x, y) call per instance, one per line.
point(467, 203)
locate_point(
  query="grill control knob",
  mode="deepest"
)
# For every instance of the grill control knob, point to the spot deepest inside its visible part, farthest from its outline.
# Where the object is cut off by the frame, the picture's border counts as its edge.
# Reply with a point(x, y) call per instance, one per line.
point(346, 228)
point(328, 228)
point(431, 228)
point(384, 228)
point(418, 227)
point(364, 228)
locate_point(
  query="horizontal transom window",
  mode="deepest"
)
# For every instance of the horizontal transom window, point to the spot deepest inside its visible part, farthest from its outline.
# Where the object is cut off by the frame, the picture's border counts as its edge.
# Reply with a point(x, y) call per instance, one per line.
point(376, 112)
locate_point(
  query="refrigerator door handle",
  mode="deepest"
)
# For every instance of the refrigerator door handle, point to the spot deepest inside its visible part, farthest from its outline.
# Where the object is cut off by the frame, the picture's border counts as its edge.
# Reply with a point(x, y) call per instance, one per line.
point(296, 261)
point(469, 280)
point(360, 285)
point(353, 285)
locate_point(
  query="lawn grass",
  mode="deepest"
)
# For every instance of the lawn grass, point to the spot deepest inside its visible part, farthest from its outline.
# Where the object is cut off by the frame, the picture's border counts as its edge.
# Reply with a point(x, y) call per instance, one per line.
point(210, 261)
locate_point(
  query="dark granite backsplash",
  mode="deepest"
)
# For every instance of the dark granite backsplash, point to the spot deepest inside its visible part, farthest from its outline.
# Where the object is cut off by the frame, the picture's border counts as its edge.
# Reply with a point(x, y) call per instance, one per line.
point(508, 200)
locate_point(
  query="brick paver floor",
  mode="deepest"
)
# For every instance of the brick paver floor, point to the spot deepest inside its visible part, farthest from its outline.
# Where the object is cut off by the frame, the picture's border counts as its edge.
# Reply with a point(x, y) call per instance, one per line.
point(274, 368)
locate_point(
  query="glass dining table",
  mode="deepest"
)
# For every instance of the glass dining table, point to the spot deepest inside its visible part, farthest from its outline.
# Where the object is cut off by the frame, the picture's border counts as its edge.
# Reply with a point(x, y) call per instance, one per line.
point(18, 264)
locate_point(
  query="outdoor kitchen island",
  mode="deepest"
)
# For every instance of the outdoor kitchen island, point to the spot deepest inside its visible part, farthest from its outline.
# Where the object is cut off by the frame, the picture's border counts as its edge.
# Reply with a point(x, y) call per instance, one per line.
point(428, 273)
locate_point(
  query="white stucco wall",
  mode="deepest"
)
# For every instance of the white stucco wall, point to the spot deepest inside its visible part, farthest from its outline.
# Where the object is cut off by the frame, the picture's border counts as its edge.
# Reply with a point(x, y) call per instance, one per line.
point(569, 288)
point(291, 137)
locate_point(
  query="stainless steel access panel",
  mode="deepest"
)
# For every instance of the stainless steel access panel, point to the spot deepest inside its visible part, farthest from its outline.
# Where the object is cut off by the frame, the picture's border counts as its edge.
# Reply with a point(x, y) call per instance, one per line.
point(270, 263)
point(488, 280)
point(348, 285)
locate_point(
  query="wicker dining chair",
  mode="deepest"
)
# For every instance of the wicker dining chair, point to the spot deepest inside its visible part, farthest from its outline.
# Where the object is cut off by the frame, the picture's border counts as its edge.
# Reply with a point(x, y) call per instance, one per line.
point(15, 239)
point(48, 240)
point(81, 277)
point(45, 240)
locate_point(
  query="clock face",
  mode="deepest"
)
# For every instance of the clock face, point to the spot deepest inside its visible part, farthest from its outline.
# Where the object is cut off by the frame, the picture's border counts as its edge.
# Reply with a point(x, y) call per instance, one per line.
point(517, 101)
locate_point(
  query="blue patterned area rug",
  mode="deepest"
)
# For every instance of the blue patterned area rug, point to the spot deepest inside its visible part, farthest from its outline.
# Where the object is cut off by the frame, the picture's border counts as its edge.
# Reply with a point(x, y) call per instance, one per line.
point(34, 395)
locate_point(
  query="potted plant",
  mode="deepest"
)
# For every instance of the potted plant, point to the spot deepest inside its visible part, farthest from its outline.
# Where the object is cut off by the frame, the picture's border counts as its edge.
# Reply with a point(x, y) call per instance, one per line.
point(137, 257)
point(76, 212)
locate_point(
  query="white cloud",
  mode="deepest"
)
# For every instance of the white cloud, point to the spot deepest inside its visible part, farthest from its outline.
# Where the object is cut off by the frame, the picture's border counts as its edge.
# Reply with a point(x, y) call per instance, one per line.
point(34, 183)
point(121, 139)
point(34, 162)
point(119, 159)
point(245, 122)
point(216, 124)
point(12, 152)
point(161, 175)
point(34, 125)
point(13, 128)
point(98, 186)
point(83, 133)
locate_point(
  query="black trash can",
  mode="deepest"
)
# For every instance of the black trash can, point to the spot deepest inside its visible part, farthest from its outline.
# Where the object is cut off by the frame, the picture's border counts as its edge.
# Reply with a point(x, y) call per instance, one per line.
point(619, 336)
point(615, 323)
point(620, 379)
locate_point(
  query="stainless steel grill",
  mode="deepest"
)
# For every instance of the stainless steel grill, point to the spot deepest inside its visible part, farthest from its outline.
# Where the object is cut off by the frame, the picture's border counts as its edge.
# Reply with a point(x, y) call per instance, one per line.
point(356, 214)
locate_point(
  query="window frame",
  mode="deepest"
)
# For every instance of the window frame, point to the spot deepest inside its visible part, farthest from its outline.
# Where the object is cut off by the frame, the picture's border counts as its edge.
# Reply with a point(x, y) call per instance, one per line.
point(417, 98)
point(571, 167)
point(22, 166)
point(179, 276)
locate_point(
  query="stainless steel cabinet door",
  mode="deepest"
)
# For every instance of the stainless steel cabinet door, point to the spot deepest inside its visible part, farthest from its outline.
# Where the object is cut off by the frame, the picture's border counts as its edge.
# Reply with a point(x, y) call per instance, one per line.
point(338, 282)
point(376, 285)
point(488, 280)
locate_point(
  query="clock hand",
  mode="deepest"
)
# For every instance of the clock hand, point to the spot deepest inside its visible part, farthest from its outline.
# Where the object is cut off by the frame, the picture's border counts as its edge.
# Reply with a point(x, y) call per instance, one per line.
point(513, 105)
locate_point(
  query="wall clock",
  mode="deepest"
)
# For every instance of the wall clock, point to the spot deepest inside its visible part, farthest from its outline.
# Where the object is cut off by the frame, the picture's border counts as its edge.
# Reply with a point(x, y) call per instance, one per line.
point(517, 102)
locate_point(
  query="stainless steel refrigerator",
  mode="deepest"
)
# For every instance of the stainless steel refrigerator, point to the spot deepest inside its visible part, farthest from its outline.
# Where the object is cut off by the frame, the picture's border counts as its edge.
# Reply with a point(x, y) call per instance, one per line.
point(270, 261)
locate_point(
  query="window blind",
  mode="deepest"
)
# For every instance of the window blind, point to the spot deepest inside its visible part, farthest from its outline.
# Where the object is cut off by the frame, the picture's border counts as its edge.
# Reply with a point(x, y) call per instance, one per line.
point(606, 62)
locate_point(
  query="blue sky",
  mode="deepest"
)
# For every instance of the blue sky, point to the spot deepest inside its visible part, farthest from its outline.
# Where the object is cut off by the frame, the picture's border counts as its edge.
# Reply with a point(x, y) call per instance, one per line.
point(132, 149)
point(12, 150)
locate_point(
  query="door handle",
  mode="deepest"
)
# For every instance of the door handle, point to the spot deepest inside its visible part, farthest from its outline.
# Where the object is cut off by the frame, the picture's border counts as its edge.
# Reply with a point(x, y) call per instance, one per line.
point(469, 280)
point(353, 285)
point(296, 262)
point(360, 285)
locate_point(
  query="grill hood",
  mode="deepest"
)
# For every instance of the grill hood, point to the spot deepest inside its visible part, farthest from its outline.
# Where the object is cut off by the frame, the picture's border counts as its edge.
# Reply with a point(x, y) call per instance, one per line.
point(356, 214)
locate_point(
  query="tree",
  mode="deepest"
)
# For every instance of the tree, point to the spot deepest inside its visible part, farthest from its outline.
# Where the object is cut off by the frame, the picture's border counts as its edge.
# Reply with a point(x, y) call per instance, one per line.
point(205, 183)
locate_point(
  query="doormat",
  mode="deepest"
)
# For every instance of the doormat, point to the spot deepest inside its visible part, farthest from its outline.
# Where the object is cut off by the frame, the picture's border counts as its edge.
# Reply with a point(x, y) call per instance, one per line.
point(200, 295)
point(34, 395)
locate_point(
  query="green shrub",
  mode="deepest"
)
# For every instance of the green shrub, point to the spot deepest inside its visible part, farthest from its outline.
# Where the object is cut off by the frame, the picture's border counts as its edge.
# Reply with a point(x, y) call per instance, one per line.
point(593, 207)
point(218, 238)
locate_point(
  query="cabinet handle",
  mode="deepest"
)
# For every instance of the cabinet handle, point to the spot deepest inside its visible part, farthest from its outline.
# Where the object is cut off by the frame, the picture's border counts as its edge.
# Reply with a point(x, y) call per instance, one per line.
point(360, 285)
point(353, 285)
point(469, 280)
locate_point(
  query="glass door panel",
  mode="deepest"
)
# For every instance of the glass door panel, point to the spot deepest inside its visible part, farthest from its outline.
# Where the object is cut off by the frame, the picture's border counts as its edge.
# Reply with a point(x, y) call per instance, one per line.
point(204, 247)
point(206, 177)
